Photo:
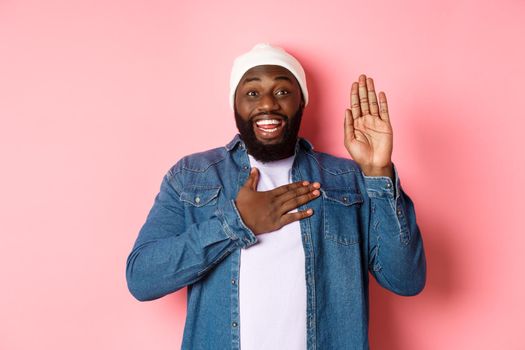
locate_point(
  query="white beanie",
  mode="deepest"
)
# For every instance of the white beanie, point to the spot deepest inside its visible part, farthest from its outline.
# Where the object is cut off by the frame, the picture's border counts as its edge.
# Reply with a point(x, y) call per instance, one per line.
point(265, 54)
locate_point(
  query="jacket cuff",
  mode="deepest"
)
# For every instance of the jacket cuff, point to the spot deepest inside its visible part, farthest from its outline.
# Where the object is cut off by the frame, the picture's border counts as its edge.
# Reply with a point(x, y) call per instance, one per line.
point(233, 225)
point(382, 186)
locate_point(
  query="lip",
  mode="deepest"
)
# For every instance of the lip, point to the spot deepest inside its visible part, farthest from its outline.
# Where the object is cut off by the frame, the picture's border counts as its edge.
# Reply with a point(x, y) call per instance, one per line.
point(266, 135)
point(267, 116)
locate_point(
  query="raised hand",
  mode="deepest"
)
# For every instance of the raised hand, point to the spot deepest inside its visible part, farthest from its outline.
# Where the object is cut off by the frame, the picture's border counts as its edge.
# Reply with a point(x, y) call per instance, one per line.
point(368, 133)
point(267, 211)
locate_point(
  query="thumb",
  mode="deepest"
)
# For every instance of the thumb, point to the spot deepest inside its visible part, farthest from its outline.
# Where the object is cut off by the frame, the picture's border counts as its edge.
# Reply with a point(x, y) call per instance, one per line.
point(253, 179)
point(349, 126)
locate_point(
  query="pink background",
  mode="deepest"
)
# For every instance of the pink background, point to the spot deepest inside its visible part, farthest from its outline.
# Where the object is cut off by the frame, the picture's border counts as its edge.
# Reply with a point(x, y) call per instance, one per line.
point(99, 98)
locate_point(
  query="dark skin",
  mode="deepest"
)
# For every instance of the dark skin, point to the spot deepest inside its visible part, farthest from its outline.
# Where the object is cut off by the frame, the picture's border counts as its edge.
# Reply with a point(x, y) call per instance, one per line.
point(368, 132)
point(274, 91)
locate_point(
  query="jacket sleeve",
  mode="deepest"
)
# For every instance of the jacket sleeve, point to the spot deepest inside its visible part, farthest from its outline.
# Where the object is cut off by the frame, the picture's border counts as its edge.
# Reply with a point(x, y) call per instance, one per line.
point(169, 253)
point(396, 254)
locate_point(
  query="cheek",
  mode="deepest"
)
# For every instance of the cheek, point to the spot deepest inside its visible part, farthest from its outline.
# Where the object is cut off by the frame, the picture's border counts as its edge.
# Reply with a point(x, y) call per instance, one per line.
point(292, 105)
point(243, 109)
point(243, 112)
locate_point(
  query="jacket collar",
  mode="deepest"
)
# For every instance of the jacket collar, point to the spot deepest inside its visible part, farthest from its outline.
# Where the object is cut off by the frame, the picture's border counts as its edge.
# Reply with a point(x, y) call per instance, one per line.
point(301, 144)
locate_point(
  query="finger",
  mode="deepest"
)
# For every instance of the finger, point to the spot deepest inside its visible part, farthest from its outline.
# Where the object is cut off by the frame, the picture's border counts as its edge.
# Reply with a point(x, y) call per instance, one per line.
point(363, 95)
point(291, 217)
point(349, 126)
point(296, 202)
point(372, 98)
point(354, 101)
point(252, 180)
point(383, 107)
point(289, 187)
point(296, 193)
point(279, 200)
point(255, 180)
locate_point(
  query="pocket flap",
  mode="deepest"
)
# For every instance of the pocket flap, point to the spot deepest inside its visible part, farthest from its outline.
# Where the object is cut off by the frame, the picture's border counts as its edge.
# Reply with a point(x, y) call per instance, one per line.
point(342, 196)
point(199, 195)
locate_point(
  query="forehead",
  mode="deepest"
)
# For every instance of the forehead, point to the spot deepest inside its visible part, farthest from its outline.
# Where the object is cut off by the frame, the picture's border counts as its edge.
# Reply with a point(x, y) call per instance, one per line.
point(272, 72)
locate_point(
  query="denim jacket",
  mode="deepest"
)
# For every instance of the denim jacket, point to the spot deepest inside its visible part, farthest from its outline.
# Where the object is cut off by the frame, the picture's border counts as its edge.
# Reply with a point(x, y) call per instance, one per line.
point(193, 235)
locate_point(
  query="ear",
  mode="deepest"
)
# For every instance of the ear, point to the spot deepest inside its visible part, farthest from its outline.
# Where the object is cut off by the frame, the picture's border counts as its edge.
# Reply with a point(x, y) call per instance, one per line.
point(302, 100)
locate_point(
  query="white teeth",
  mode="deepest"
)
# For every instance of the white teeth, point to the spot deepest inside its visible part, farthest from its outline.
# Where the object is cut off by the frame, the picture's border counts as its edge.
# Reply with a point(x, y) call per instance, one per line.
point(270, 130)
point(268, 122)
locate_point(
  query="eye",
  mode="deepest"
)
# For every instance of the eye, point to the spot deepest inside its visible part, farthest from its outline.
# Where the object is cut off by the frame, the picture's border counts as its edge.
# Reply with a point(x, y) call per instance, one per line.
point(251, 93)
point(282, 92)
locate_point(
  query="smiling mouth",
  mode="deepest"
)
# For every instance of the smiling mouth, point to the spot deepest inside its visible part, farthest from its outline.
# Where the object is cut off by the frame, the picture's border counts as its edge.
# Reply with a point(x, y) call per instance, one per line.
point(269, 125)
point(269, 128)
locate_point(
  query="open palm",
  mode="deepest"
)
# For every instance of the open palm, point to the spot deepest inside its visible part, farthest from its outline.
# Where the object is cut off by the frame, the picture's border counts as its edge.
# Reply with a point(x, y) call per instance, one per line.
point(368, 133)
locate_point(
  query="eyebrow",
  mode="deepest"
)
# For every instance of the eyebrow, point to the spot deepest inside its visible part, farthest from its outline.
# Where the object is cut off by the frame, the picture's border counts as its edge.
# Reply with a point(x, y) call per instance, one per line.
point(279, 77)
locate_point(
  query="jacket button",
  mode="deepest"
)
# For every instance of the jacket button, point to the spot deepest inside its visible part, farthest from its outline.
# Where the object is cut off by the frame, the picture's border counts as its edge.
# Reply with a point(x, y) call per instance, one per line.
point(197, 199)
point(399, 212)
point(233, 281)
point(388, 185)
point(244, 167)
point(234, 324)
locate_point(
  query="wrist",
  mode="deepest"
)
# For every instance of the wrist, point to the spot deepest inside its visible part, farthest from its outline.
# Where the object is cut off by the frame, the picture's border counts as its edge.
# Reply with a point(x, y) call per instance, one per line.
point(378, 171)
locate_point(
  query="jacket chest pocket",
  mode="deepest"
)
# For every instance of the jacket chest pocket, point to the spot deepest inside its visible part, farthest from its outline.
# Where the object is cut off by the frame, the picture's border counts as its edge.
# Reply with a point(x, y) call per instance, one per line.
point(341, 215)
point(200, 202)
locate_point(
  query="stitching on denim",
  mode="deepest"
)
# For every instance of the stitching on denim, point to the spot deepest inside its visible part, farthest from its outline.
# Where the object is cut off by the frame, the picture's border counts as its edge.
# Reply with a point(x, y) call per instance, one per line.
point(243, 225)
point(405, 237)
point(376, 226)
point(308, 228)
point(326, 225)
point(340, 172)
point(212, 190)
point(377, 265)
point(352, 197)
point(215, 262)
point(202, 170)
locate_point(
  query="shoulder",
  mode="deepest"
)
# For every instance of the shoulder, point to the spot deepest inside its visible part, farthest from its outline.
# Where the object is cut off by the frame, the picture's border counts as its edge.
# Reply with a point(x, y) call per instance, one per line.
point(194, 167)
point(199, 161)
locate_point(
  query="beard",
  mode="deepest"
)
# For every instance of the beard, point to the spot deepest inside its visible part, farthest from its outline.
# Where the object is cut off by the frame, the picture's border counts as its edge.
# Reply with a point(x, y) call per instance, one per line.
point(271, 152)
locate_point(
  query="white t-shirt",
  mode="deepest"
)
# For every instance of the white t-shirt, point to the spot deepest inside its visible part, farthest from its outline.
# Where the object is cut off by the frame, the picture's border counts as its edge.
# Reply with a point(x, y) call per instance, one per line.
point(272, 285)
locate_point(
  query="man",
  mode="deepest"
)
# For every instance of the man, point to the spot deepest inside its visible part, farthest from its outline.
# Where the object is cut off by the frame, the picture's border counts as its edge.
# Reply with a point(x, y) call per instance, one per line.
point(273, 239)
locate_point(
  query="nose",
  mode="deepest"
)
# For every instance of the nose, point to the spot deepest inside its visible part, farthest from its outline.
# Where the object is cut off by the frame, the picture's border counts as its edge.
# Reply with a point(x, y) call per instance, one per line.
point(268, 102)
